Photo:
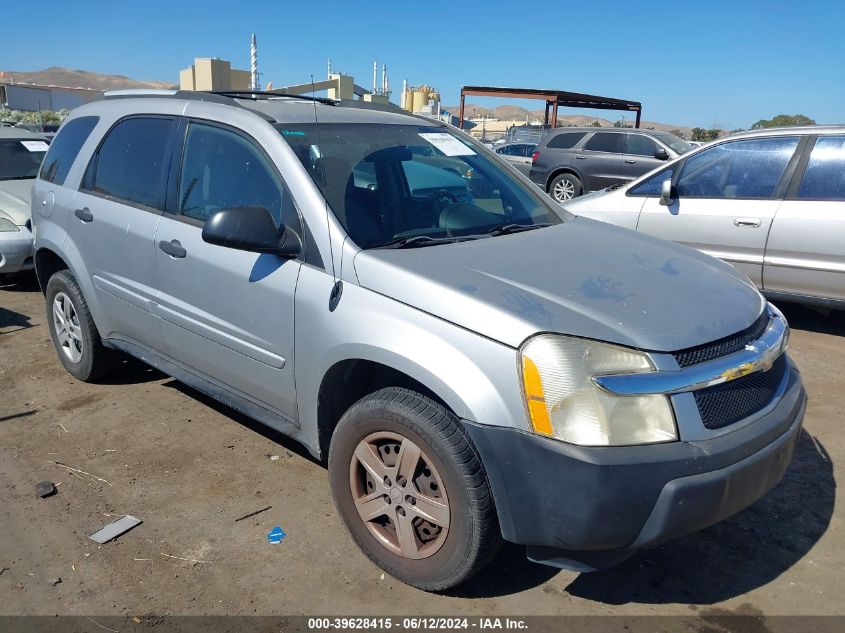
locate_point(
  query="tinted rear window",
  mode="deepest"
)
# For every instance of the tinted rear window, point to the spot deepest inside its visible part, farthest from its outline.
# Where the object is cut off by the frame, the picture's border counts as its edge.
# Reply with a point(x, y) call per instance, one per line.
point(606, 142)
point(565, 141)
point(65, 147)
point(131, 160)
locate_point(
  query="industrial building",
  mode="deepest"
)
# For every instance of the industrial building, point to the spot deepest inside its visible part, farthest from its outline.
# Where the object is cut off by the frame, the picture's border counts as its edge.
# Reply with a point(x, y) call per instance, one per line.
point(213, 74)
point(34, 97)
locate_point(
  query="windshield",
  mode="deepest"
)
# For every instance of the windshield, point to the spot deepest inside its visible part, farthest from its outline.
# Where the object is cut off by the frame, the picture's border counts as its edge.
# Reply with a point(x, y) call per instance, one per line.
point(21, 159)
point(678, 145)
point(413, 185)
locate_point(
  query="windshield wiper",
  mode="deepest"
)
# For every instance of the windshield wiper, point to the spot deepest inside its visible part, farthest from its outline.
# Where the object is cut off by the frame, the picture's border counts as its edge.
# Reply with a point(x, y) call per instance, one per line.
point(616, 186)
point(506, 229)
point(417, 241)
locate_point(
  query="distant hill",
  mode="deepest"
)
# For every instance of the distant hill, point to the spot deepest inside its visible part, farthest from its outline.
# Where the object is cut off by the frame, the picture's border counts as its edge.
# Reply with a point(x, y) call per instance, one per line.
point(510, 113)
point(67, 78)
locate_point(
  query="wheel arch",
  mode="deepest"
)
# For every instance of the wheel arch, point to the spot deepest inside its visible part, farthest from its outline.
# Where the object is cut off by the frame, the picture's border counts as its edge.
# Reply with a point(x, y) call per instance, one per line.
point(349, 380)
point(562, 170)
point(48, 263)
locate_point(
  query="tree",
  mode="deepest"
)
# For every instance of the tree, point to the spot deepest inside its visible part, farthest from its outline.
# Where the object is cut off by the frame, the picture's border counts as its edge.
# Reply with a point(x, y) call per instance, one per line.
point(678, 133)
point(595, 124)
point(783, 120)
point(701, 135)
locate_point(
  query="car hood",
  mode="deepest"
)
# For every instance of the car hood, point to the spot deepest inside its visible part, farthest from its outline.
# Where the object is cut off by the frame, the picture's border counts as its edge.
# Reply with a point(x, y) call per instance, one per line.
point(14, 200)
point(582, 277)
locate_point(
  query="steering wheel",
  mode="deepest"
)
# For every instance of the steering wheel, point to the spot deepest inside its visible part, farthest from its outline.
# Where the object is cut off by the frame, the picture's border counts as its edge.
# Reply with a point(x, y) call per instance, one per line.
point(439, 200)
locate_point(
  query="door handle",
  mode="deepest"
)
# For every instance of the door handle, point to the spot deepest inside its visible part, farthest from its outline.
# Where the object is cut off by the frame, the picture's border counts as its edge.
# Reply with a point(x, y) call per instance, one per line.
point(581, 158)
point(173, 248)
point(752, 222)
point(630, 162)
point(84, 214)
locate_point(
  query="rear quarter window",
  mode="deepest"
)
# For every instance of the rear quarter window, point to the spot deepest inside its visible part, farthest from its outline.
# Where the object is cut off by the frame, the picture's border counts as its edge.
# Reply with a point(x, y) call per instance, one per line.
point(565, 141)
point(824, 178)
point(65, 147)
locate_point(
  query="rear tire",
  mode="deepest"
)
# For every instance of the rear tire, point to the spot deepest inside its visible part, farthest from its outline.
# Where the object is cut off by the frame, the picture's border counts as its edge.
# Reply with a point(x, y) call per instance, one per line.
point(434, 528)
point(73, 332)
point(565, 187)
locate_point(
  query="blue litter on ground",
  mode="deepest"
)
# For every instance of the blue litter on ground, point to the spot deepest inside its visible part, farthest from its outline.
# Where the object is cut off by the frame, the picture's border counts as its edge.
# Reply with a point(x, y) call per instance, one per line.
point(276, 535)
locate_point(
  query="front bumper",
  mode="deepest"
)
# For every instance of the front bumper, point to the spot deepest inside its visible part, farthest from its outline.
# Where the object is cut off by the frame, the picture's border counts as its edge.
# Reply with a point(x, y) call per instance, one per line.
point(562, 500)
point(16, 252)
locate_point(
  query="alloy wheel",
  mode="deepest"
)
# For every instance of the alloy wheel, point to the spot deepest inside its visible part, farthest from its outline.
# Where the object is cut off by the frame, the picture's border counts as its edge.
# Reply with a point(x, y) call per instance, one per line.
point(399, 495)
point(66, 324)
point(563, 190)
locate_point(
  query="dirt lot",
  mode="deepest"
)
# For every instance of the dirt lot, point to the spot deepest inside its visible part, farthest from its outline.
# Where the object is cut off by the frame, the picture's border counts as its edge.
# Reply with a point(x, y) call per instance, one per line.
point(189, 467)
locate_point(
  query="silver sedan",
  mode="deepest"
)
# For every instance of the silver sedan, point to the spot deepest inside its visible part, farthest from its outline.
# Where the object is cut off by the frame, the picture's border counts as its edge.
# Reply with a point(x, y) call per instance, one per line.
point(770, 202)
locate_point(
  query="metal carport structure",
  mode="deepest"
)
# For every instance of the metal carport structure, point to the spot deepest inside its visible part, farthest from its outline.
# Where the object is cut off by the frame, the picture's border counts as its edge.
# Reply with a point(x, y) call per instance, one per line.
point(553, 99)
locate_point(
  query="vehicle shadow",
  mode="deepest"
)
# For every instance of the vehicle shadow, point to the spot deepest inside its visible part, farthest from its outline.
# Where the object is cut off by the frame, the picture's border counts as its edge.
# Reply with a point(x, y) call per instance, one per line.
point(131, 371)
point(19, 282)
point(801, 317)
point(736, 556)
point(13, 320)
point(252, 424)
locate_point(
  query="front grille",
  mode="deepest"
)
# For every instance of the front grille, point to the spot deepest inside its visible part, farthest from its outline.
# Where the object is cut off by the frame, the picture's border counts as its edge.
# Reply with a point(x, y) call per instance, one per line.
point(732, 401)
point(724, 346)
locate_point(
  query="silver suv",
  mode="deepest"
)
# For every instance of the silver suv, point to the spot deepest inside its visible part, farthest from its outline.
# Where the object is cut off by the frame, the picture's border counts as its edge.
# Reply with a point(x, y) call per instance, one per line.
point(474, 364)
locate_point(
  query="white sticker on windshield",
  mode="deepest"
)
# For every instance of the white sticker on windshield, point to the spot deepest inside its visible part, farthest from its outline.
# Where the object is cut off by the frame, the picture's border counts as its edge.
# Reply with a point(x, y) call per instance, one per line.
point(35, 146)
point(447, 144)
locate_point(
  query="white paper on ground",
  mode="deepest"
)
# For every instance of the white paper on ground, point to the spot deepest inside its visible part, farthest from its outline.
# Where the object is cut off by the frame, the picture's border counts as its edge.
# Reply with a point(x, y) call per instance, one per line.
point(35, 146)
point(447, 144)
point(115, 529)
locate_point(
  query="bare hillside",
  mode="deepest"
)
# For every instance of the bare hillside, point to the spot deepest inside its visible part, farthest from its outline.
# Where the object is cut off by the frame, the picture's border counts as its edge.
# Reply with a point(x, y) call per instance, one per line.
point(58, 76)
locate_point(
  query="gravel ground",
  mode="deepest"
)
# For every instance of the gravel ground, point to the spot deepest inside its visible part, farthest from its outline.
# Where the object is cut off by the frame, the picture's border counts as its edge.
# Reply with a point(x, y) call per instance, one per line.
point(189, 467)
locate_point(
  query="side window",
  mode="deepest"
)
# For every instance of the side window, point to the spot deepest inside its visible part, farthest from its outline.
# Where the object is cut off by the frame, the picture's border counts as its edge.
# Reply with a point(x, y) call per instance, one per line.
point(641, 145)
point(130, 163)
point(824, 178)
point(565, 141)
point(653, 185)
point(606, 142)
point(65, 147)
point(222, 170)
point(738, 169)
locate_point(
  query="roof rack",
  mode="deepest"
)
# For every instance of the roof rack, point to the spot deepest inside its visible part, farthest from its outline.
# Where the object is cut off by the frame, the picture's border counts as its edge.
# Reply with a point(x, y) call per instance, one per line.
point(257, 94)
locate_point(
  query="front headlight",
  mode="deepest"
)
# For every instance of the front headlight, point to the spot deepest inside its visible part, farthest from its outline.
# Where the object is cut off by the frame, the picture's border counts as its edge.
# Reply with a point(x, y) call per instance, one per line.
point(7, 226)
point(563, 402)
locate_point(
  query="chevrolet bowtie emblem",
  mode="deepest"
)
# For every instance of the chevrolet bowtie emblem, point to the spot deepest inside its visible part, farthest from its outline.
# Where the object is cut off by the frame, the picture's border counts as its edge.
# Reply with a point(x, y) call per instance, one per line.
point(763, 362)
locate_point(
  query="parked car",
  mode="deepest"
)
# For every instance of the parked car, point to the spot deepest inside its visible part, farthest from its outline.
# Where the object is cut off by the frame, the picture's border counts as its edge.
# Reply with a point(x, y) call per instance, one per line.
point(517, 154)
point(571, 161)
point(770, 202)
point(21, 153)
point(471, 370)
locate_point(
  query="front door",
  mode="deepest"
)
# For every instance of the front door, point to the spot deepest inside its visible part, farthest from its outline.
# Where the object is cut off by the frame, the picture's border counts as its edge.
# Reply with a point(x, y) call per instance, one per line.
point(228, 314)
point(805, 254)
point(639, 155)
point(725, 199)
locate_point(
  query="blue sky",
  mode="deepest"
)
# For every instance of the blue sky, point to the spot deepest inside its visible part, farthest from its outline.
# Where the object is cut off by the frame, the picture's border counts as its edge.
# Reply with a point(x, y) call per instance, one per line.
point(701, 63)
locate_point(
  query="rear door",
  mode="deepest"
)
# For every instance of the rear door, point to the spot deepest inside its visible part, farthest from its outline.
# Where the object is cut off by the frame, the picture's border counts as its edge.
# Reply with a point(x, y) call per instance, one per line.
point(227, 314)
point(599, 161)
point(113, 223)
point(639, 155)
point(725, 199)
point(805, 254)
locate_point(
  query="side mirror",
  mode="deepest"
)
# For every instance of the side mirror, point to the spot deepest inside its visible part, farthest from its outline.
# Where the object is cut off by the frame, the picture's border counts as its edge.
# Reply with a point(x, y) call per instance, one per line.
point(667, 193)
point(250, 229)
point(661, 154)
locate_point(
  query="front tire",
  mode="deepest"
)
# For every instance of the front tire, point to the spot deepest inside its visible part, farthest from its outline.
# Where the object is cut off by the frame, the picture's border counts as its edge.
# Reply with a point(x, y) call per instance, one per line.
point(410, 488)
point(565, 187)
point(72, 330)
